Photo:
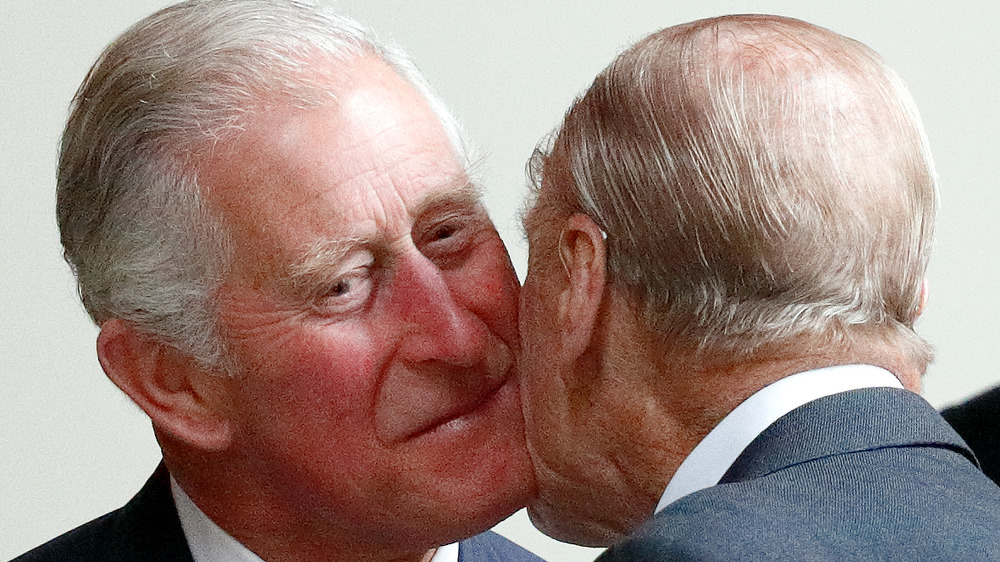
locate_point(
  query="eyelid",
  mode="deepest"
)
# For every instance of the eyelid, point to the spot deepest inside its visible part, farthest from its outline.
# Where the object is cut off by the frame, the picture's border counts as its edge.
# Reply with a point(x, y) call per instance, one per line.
point(314, 280)
point(460, 227)
point(462, 216)
point(364, 258)
point(361, 286)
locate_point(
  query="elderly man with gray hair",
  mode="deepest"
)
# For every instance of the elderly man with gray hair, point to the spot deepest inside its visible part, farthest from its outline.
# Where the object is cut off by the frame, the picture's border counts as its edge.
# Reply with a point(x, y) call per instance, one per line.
point(727, 257)
point(271, 219)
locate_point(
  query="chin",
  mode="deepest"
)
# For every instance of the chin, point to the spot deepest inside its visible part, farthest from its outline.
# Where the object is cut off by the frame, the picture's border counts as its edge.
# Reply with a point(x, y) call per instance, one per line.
point(475, 512)
point(505, 487)
point(564, 523)
point(489, 471)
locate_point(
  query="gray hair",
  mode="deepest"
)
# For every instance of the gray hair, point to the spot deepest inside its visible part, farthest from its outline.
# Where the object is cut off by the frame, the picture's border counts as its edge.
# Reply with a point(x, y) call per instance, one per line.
point(134, 225)
point(763, 183)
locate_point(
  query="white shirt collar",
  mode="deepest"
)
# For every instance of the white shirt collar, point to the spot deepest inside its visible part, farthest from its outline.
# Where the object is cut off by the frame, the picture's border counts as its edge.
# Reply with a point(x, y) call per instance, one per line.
point(446, 553)
point(713, 456)
point(209, 543)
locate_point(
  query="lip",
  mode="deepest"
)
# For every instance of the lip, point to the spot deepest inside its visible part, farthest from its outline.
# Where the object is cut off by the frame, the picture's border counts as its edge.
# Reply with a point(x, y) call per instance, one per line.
point(465, 414)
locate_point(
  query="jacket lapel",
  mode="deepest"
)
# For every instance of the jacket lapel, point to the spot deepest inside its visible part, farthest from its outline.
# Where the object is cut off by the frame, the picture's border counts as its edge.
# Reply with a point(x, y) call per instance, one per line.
point(148, 526)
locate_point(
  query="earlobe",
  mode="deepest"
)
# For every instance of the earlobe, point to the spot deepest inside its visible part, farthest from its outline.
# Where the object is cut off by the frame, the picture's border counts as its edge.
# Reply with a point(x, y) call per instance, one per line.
point(582, 252)
point(180, 398)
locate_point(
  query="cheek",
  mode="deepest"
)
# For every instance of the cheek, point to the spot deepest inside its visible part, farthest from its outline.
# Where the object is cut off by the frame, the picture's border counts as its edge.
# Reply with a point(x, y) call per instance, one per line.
point(544, 392)
point(537, 319)
point(312, 383)
point(487, 286)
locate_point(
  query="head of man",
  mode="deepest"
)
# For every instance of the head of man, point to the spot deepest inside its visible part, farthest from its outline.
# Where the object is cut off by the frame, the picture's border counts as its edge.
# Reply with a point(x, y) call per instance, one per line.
point(731, 201)
point(271, 219)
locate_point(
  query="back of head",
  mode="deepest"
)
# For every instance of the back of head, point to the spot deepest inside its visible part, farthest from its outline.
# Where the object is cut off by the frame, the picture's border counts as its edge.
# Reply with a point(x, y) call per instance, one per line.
point(763, 182)
point(131, 212)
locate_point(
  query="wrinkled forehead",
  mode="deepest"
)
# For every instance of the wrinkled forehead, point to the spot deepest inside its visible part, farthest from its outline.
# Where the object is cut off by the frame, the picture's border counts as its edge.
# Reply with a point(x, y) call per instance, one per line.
point(360, 165)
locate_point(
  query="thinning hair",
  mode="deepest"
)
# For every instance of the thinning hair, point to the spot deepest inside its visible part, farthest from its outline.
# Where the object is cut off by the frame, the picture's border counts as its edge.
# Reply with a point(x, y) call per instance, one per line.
point(763, 182)
point(133, 220)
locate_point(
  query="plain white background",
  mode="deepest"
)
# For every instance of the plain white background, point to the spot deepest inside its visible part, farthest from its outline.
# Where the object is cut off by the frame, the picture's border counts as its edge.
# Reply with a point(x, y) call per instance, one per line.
point(72, 447)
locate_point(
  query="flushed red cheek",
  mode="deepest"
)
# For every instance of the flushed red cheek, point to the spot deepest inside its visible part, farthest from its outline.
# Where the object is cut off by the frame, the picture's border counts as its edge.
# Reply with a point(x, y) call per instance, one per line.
point(491, 295)
point(310, 382)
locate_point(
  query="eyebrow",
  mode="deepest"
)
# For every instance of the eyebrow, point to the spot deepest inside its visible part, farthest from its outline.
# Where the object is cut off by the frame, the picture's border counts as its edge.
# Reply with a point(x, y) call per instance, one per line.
point(461, 192)
point(320, 262)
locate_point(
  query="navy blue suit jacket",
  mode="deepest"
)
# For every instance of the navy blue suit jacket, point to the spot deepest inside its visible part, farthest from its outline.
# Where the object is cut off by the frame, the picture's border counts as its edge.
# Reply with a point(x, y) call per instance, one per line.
point(147, 529)
point(978, 422)
point(872, 474)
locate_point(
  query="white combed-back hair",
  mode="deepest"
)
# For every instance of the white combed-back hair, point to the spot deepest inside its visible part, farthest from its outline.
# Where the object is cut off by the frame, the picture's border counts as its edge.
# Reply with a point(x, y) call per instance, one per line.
point(134, 225)
point(763, 183)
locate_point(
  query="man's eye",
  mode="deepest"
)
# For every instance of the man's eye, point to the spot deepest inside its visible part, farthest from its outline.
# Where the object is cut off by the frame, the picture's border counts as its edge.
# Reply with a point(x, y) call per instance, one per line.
point(447, 242)
point(448, 235)
point(341, 288)
point(349, 293)
point(444, 231)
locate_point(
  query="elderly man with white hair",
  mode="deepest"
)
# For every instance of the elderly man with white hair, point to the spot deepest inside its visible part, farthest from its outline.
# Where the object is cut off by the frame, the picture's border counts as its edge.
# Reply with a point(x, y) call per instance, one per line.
point(270, 218)
point(727, 255)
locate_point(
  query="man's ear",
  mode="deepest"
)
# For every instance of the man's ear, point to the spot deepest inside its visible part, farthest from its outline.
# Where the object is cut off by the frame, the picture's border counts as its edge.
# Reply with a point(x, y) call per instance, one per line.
point(182, 399)
point(582, 252)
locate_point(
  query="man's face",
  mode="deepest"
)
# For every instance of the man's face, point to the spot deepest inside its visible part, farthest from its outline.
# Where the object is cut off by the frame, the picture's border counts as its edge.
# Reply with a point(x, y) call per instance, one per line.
point(553, 424)
point(372, 312)
point(576, 415)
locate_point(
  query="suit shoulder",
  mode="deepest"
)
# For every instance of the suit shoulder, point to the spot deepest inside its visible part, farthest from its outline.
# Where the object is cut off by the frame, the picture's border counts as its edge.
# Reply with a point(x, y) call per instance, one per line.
point(146, 528)
point(491, 547)
point(909, 504)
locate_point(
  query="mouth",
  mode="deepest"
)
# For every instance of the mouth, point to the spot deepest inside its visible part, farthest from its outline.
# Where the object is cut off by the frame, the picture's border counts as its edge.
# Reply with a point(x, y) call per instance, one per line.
point(465, 414)
point(442, 399)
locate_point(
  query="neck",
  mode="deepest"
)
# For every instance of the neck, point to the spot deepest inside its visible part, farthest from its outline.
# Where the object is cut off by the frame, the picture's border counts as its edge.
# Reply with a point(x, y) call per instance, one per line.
point(237, 509)
point(654, 407)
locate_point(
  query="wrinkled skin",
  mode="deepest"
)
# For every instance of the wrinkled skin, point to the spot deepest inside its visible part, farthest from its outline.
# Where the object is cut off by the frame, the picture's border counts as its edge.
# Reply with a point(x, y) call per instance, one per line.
point(372, 314)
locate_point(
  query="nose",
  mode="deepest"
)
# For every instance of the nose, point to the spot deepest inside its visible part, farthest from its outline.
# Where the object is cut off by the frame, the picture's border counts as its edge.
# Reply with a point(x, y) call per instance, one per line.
point(437, 328)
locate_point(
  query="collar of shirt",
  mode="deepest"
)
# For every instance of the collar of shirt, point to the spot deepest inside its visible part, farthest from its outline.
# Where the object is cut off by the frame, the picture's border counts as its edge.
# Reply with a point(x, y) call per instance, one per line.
point(209, 543)
point(713, 456)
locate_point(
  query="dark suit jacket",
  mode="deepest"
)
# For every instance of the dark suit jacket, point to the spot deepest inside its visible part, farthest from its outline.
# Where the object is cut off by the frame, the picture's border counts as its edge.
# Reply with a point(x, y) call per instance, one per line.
point(872, 474)
point(147, 529)
point(978, 422)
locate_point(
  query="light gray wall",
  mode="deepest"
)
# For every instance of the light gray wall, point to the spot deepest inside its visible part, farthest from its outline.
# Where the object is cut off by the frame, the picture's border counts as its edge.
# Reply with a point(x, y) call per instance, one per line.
point(72, 447)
